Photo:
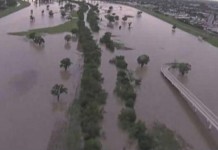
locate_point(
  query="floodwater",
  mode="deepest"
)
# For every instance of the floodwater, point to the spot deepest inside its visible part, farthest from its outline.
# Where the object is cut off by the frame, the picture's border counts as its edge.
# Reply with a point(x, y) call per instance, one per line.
point(157, 100)
point(28, 111)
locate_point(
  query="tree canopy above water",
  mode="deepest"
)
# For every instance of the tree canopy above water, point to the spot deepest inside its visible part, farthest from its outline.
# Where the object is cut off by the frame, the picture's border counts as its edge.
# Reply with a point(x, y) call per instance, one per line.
point(183, 68)
point(143, 60)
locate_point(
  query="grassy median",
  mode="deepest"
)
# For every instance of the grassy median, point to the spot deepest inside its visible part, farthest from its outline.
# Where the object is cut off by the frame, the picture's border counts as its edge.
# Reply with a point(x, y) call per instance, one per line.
point(65, 27)
point(209, 37)
point(13, 9)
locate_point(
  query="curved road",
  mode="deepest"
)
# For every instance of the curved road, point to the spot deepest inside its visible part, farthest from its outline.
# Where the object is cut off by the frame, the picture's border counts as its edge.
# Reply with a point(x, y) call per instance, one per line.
point(191, 98)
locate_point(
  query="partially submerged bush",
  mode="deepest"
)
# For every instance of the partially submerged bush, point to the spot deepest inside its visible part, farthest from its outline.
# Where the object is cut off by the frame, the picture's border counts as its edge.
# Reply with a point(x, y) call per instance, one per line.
point(127, 118)
point(31, 35)
point(106, 39)
point(93, 18)
point(120, 62)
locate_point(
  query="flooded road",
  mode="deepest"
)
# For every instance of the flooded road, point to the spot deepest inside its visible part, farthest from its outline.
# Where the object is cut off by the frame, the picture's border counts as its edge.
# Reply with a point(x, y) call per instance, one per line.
point(156, 99)
point(28, 111)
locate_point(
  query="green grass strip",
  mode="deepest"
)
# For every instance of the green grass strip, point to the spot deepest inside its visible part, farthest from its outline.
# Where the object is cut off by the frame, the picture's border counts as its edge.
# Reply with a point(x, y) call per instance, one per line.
point(13, 9)
point(65, 27)
point(209, 37)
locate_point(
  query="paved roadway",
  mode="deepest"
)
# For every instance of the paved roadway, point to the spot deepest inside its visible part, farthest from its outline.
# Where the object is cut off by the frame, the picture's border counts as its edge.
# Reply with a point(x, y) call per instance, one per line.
point(197, 104)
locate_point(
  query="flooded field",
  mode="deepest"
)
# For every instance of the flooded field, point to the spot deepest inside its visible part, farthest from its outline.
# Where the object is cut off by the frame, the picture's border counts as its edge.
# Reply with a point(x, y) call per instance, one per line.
point(156, 99)
point(29, 113)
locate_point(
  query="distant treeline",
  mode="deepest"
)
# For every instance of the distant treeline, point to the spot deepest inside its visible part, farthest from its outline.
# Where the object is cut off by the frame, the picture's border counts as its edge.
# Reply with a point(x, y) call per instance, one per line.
point(5, 3)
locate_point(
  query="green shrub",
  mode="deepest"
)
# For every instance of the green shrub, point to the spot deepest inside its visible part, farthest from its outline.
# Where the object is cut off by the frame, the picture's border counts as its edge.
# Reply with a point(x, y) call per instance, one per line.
point(127, 118)
point(92, 18)
point(92, 144)
point(120, 62)
point(90, 129)
point(91, 95)
point(138, 130)
point(106, 39)
point(129, 103)
point(145, 142)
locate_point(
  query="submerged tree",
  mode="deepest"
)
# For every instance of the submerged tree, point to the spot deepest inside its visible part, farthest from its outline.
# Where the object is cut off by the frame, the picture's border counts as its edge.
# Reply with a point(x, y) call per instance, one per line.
point(106, 39)
point(124, 18)
point(129, 24)
point(74, 31)
point(174, 64)
point(69, 6)
point(127, 117)
point(109, 11)
point(184, 68)
point(42, 12)
point(63, 13)
point(143, 60)
point(51, 13)
point(111, 18)
point(116, 18)
point(119, 61)
point(39, 40)
point(32, 18)
point(139, 13)
point(138, 130)
point(47, 7)
point(58, 89)
point(68, 37)
point(65, 63)
point(92, 144)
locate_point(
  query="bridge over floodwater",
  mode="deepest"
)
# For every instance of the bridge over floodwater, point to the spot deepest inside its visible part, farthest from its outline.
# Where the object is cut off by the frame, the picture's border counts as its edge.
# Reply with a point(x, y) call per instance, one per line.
point(196, 104)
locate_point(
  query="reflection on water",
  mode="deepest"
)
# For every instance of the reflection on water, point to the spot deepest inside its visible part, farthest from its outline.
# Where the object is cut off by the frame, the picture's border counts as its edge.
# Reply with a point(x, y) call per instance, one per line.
point(67, 46)
point(28, 111)
point(65, 75)
point(23, 82)
point(36, 46)
point(156, 99)
point(59, 106)
point(141, 71)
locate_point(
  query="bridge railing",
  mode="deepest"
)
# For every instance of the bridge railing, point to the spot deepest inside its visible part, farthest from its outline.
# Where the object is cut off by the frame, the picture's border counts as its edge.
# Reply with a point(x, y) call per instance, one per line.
point(191, 98)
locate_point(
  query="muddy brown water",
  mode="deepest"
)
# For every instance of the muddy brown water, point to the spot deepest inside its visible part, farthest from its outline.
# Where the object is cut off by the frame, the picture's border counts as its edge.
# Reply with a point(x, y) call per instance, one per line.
point(157, 100)
point(28, 112)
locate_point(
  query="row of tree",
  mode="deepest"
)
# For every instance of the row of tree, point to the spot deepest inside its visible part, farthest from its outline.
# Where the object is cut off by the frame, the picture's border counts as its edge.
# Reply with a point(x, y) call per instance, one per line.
point(59, 89)
point(65, 63)
point(7, 3)
point(127, 118)
point(92, 96)
point(92, 18)
point(125, 91)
